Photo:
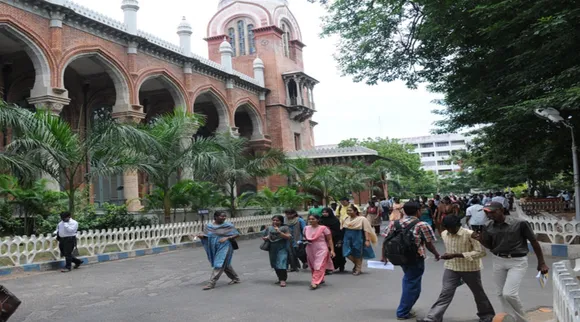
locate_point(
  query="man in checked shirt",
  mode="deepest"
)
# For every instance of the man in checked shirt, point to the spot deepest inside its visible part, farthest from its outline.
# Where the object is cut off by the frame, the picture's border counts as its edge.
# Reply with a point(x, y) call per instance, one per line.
point(424, 238)
point(462, 263)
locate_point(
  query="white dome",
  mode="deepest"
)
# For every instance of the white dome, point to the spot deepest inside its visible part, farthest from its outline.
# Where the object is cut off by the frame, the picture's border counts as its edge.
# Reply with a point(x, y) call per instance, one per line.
point(184, 26)
point(258, 63)
point(225, 46)
point(270, 4)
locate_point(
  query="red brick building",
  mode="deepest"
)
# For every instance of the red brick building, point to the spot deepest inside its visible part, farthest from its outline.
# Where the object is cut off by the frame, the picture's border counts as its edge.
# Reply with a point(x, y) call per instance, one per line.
point(81, 65)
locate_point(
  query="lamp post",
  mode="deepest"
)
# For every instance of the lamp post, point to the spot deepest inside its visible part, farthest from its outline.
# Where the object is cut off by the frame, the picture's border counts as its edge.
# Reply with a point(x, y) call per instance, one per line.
point(554, 116)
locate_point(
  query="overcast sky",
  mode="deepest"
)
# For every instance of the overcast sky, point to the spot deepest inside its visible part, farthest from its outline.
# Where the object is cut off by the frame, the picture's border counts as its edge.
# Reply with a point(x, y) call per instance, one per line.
point(344, 109)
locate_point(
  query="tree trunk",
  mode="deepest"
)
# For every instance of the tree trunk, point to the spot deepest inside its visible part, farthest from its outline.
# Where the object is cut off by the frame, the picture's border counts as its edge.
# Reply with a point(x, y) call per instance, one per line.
point(166, 206)
point(71, 198)
point(232, 201)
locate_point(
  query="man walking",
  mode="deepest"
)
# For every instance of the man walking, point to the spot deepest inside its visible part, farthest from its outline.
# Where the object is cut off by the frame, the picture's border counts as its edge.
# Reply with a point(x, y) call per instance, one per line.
point(507, 238)
point(66, 234)
point(423, 237)
point(316, 209)
point(476, 218)
point(462, 262)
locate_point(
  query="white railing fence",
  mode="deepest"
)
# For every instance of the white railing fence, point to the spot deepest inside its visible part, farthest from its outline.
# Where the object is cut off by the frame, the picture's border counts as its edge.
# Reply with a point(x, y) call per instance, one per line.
point(566, 288)
point(22, 250)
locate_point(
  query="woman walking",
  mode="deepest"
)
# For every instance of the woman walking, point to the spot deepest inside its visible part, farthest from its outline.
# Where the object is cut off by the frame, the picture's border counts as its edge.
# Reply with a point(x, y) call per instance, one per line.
point(373, 214)
point(358, 237)
point(397, 210)
point(279, 238)
point(426, 215)
point(217, 241)
point(319, 250)
point(329, 220)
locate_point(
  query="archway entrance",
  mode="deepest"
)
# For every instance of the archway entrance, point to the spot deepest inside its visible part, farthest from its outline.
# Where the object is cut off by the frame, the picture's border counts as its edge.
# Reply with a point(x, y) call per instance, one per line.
point(94, 87)
point(19, 65)
point(248, 122)
point(215, 113)
point(159, 96)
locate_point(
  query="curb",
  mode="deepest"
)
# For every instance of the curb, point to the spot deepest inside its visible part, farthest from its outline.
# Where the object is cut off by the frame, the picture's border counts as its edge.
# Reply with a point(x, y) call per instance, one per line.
point(108, 257)
point(558, 250)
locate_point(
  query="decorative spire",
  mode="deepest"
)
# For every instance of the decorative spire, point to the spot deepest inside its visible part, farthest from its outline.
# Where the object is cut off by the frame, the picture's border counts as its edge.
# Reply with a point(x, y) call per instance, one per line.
point(184, 27)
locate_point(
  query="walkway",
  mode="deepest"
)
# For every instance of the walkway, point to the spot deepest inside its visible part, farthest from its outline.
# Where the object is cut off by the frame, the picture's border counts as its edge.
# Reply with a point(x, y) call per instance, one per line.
point(167, 287)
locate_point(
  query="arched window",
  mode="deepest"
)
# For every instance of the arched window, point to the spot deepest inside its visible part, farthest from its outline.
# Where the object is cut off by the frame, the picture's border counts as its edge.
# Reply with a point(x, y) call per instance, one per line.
point(232, 35)
point(242, 37)
point(286, 39)
point(251, 39)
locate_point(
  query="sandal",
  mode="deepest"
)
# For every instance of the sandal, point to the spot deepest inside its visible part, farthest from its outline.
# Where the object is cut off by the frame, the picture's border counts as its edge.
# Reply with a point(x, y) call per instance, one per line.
point(313, 287)
point(357, 273)
point(282, 284)
point(208, 287)
point(234, 282)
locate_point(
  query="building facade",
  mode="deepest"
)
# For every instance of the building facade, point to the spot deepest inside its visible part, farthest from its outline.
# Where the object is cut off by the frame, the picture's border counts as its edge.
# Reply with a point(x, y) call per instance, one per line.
point(436, 151)
point(82, 65)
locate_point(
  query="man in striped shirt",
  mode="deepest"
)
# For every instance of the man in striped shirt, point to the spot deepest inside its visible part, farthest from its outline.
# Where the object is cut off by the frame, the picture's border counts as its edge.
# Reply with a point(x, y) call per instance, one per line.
point(462, 263)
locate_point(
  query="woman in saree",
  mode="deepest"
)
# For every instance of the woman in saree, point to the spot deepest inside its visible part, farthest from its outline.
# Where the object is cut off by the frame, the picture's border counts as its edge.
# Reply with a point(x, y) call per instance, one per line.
point(373, 213)
point(217, 241)
point(279, 237)
point(359, 236)
point(329, 220)
point(319, 250)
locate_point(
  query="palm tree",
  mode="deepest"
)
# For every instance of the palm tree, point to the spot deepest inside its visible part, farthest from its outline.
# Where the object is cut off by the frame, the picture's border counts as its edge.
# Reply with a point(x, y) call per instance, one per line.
point(324, 180)
point(48, 144)
point(236, 164)
point(173, 152)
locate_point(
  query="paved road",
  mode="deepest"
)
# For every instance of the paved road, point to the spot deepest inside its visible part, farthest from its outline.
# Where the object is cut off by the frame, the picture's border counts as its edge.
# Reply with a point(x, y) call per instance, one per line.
point(167, 287)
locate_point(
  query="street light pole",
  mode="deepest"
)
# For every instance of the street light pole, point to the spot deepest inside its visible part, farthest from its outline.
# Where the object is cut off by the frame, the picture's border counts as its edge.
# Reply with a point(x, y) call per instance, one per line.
point(576, 172)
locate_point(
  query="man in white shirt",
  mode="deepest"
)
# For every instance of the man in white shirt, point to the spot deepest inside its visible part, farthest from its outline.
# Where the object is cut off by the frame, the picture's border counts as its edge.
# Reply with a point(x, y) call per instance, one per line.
point(66, 234)
point(503, 200)
point(476, 218)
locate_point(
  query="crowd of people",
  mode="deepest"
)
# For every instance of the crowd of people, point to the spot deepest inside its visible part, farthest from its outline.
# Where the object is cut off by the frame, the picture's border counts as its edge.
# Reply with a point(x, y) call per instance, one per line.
point(332, 235)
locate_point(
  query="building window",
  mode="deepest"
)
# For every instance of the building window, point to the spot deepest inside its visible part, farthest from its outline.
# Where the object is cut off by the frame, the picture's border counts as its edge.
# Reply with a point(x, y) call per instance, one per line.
point(286, 39)
point(426, 145)
point(242, 37)
point(297, 142)
point(427, 154)
point(232, 35)
point(444, 162)
point(251, 39)
point(293, 92)
point(440, 144)
point(458, 142)
point(443, 153)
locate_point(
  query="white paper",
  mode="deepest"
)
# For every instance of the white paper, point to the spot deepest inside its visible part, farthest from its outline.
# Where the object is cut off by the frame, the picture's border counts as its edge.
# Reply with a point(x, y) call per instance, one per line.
point(542, 279)
point(380, 265)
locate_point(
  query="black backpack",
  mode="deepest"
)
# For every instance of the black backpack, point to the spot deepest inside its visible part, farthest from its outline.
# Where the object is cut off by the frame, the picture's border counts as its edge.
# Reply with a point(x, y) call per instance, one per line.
point(399, 247)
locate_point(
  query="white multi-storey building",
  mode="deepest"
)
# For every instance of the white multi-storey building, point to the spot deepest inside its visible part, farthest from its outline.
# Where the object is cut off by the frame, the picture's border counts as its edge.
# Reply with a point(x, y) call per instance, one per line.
point(436, 151)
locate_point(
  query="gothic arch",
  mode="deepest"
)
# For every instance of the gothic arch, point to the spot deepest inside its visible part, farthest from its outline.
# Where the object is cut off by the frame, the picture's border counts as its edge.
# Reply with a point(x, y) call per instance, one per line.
point(256, 12)
point(38, 53)
point(255, 117)
point(219, 101)
point(282, 14)
point(115, 70)
point(170, 82)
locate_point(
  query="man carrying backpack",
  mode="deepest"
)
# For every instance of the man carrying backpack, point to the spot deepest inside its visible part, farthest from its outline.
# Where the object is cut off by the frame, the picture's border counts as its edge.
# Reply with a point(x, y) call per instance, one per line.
point(405, 243)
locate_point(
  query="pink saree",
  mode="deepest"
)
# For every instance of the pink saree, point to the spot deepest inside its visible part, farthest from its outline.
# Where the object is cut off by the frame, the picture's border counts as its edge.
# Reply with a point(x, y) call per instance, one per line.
point(317, 252)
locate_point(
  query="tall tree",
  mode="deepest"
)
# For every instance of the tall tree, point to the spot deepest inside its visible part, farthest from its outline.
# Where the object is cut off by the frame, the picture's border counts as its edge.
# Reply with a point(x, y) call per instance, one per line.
point(495, 61)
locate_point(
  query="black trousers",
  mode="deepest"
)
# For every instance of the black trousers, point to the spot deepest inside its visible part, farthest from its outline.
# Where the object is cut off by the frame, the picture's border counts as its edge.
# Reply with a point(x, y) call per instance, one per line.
point(282, 275)
point(67, 246)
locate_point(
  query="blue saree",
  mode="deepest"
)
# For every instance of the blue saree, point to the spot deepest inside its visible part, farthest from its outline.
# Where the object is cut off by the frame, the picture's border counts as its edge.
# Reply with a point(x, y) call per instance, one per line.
point(219, 254)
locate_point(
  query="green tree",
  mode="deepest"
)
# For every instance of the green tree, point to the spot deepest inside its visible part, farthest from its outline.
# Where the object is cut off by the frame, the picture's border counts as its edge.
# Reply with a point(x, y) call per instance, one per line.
point(235, 164)
point(48, 144)
point(171, 150)
point(495, 61)
point(284, 197)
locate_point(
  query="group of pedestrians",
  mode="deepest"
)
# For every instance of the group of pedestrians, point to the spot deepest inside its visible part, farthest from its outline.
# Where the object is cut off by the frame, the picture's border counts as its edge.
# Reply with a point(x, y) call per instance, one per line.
point(504, 236)
point(325, 242)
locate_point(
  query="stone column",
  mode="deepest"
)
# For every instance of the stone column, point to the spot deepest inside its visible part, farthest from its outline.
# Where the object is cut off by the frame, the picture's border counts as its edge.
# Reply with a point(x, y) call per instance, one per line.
point(286, 85)
point(299, 100)
point(130, 114)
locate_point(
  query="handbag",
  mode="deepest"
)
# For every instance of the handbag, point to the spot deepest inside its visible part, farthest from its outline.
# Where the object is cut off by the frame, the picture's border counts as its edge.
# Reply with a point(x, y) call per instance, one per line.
point(265, 245)
point(8, 304)
point(235, 245)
